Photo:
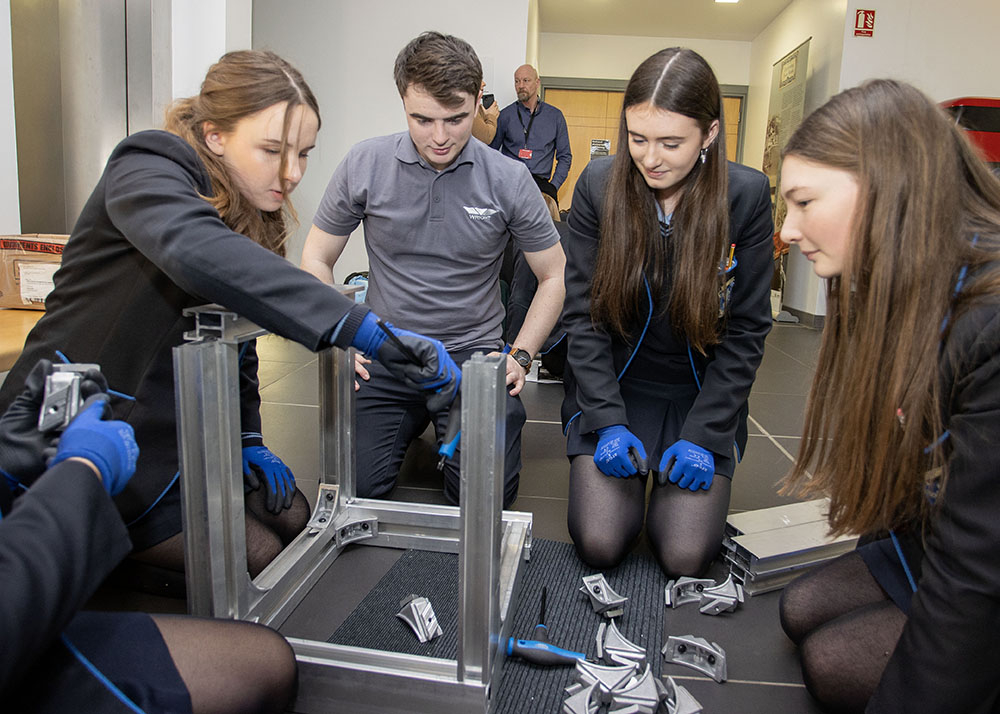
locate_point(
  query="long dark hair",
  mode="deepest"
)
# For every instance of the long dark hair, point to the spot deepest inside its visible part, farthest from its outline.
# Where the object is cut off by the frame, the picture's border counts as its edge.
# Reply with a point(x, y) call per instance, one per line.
point(677, 80)
point(240, 84)
point(876, 403)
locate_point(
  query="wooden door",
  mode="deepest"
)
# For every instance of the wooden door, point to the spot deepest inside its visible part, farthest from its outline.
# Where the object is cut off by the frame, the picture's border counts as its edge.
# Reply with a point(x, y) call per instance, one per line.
point(590, 115)
point(731, 112)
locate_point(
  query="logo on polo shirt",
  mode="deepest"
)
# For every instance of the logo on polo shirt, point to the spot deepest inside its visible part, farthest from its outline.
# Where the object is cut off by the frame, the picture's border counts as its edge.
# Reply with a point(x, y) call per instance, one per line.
point(479, 214)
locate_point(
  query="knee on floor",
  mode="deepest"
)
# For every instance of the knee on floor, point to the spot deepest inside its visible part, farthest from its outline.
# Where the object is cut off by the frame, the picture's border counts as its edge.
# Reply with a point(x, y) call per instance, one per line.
point(601, 551)
point(683, 560)
point(832, 675)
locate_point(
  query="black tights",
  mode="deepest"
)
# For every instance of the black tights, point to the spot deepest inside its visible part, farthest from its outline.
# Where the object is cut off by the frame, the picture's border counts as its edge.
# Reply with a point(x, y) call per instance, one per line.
point(267, 535)
point(230, 666)
point(606, 515)
point(846, 628)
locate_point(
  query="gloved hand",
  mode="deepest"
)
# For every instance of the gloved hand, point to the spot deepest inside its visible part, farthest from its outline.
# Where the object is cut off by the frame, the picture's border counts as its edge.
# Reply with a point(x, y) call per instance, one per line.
point(22, 445)
point(619, 452)
point(109, 445)
point(261, 465)
point(688, 465)
point(433, 371)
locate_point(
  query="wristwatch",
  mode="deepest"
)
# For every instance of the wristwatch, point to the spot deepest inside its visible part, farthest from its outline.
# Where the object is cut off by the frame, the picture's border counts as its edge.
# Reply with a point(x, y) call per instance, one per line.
point(522, 357)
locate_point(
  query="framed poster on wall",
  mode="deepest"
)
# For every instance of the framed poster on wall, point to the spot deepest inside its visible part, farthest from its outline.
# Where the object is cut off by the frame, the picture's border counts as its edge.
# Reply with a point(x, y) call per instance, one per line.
point(785, 110)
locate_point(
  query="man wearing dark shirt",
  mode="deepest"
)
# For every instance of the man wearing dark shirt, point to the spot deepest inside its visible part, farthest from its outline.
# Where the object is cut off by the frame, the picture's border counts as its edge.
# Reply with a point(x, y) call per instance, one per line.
point(535, 133)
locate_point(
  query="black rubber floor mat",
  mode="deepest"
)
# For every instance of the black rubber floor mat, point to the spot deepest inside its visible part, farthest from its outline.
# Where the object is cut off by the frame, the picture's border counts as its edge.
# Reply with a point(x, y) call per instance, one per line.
point(417, 572)
point(572, 622)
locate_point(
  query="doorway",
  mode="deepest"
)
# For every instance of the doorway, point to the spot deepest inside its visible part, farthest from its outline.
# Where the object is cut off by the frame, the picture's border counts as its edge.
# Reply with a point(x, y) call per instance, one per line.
point(592, 120)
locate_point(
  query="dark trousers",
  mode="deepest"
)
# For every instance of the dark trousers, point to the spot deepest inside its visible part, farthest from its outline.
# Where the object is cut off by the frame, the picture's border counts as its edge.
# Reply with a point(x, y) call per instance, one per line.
point(390, 415)
point(523, 286)
point(546, 187)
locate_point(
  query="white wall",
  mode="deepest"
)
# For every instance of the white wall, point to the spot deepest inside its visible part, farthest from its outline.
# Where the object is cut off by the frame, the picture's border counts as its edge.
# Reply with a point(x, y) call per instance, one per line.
point(196, 42)
point(239, 24)
point(823, 21)
point(10, 211)
point(617, 56)
point(346, 52)
point(948, 50)
point(202, 31)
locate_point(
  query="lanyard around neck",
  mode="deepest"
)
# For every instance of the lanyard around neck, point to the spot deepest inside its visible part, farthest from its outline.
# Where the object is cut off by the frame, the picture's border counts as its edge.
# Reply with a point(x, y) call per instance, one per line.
point(531, 120)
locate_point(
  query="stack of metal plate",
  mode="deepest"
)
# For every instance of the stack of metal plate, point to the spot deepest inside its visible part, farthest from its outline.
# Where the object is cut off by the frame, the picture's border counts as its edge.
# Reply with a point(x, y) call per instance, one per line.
point(768, 548)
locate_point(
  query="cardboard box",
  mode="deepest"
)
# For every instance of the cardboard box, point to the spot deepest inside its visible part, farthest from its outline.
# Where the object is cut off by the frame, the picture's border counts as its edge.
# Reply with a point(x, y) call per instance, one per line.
point(27, 263)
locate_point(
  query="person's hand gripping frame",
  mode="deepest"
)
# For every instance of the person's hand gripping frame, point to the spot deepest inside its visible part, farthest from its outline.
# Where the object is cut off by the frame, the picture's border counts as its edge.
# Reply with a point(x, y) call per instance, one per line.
point(421, 363)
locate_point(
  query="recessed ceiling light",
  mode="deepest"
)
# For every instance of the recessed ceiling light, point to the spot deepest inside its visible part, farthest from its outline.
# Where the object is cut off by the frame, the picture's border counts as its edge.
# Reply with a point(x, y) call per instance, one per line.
point(728, 1)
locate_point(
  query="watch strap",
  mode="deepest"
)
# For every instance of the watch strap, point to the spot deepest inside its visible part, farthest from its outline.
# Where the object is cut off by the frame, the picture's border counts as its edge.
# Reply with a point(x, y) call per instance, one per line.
point(522, 357)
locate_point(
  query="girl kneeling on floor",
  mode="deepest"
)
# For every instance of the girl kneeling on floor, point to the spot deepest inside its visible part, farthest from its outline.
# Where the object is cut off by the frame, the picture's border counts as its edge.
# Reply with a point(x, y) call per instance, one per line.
point(891, 204)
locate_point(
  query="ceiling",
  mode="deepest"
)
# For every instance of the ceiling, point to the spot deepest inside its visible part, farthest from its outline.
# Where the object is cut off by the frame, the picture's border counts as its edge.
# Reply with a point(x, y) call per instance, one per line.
point(704, 19)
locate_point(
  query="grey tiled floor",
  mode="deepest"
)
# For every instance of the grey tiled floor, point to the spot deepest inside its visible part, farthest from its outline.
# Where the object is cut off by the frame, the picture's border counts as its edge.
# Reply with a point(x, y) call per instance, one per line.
point(763, 669)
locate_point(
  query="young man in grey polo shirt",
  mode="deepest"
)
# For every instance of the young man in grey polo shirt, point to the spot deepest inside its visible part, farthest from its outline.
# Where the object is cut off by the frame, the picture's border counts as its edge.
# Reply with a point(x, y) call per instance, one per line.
point(438, 210)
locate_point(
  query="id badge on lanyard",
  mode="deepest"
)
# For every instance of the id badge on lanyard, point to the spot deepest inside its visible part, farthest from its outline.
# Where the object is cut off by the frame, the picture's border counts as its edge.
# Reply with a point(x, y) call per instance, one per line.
point(525, 153)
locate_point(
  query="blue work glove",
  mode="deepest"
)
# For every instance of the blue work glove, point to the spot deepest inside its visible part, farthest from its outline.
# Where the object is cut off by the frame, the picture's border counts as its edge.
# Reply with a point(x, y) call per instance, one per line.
point(22, 446)
point(619, 452)
point(262, 466)
point(423, 363)
point(109, 445)
point(688, 465)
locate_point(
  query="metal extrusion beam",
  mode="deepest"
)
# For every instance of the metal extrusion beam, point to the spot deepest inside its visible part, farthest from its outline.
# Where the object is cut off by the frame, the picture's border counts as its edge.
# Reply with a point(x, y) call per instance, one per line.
point(214, 322)
point(336, 421)
point(208, 437)
point(481, 500)
point(363, 681)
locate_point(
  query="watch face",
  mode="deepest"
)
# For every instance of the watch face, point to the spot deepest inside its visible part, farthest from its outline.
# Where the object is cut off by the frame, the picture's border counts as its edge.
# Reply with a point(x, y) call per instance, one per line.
point(522, 358)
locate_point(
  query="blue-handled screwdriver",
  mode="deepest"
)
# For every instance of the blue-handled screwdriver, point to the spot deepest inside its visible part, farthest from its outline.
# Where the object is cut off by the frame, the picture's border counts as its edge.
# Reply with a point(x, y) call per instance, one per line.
point(538, 650)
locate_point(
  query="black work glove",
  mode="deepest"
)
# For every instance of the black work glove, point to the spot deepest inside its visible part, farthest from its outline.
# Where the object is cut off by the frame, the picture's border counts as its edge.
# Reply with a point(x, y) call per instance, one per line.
point(428, 368)
point(22, 446)
point(437, 375)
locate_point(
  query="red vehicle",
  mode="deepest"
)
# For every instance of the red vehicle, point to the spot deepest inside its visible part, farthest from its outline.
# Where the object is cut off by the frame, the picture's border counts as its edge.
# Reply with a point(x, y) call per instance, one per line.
point(980, 116)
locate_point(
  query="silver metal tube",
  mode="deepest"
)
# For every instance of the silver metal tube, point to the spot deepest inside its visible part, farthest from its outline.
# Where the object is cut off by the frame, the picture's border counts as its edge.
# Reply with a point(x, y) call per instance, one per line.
point(283, 584)
point(353, 679)
point(208, 437)
point(336, 421)
point(481, 499)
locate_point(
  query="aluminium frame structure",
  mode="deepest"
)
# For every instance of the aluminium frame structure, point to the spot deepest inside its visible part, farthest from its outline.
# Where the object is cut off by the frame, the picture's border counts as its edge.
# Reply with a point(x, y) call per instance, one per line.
point(492, 545)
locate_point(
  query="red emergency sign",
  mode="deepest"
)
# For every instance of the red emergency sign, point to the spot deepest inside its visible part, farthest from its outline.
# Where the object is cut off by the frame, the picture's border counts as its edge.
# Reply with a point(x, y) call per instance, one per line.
point(864, 23)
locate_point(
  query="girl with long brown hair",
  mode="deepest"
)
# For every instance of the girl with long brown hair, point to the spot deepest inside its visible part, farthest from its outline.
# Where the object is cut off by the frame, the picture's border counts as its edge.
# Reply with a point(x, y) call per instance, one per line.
point(889, 201)
point(667, 284)
point(199, 214)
